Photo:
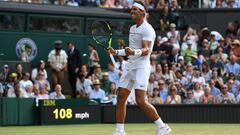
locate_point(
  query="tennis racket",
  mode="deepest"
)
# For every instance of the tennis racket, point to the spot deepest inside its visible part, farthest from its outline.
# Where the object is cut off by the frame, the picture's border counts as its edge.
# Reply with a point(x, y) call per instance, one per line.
point(102, 35)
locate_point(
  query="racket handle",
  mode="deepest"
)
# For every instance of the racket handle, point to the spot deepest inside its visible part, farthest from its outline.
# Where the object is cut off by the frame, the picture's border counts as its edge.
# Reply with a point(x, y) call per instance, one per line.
point(113, 60)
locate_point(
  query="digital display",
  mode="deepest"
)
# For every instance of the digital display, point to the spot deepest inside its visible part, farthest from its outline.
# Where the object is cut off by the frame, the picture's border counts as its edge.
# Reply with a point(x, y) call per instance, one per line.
point(59, 112)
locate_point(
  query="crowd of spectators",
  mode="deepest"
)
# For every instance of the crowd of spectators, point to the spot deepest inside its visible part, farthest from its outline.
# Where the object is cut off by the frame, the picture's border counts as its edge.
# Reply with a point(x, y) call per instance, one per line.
point(152, 4)
point(198, 67)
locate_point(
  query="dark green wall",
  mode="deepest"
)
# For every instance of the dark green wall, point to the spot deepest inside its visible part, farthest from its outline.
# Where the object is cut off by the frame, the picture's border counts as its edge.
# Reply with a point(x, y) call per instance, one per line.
point(44, 44)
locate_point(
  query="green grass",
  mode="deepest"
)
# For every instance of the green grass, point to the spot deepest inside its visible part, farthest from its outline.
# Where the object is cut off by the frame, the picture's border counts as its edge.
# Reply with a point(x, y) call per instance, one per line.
point(131, 129)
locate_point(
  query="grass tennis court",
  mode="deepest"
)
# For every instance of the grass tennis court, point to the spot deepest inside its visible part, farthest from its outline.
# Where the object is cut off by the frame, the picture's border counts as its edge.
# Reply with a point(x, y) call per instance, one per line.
point(132, 129)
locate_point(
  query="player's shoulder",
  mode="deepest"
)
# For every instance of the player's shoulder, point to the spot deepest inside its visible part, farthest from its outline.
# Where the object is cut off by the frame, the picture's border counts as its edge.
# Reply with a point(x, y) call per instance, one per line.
point(147, 27)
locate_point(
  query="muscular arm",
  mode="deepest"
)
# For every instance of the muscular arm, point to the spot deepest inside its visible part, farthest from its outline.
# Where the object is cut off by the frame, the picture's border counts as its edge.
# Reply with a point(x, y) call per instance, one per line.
point(144, 49)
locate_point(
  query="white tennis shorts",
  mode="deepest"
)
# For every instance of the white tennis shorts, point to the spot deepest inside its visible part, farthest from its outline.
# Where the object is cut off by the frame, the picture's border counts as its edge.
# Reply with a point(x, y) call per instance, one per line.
point(135, 79)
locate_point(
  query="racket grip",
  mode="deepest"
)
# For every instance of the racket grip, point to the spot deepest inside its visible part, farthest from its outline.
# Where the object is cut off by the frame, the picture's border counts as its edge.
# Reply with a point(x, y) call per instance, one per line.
point(113, 60)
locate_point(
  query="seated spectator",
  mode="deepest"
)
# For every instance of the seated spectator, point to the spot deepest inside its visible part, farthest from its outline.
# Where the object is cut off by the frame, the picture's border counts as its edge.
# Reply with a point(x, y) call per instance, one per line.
point(173, 42)
point(220, 56)
point(11, 78)
point(173, 57)
point(5, 73)
point(215, 63)
point(113, 73)
point(180, 78)
point(40, 68)
point(173, 98)
point(162, 90)
point(151, 84)
point(224, 43)
point(19, 71)
point(29, 90)
point(207, 98)
point(219, 4)
point(197, 78)
point(42, 94)
point(113, 93)
point(118, 4)
point(188, 73)
point(25, 81)
point(206, 72)
point(158, 73)
point(97, 92)
point(42, 82)
point(174, 33)
point(168, 74)
point(235, 48)
point(217, 79)
point(155, 98)
point(161, 4)
point(225, 97)
point(83, 86)
point(190, 98)
point(174, 6)
point(192, 36)
point(17, 91)
point(205, 49)
point(229, 4)
point(181, 64)
point(181, 90)
point(188, 52)
point(196, 61)
point(197, 91)
point(57, 94)
point(83, 70)
point(105, 83)
point(97, 72)
point(214, 90)
point(213, 42)
point(233, 84)
point(36, 90)
point(232, 66)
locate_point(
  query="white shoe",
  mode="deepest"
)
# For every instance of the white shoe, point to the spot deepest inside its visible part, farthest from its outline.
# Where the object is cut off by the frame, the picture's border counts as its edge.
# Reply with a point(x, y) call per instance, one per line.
point(119, 133)
point(163, 130)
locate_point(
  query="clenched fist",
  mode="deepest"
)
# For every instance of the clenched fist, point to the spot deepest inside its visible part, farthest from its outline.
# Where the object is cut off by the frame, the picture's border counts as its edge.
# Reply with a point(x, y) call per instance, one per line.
point(110, 50)
point(129, 51)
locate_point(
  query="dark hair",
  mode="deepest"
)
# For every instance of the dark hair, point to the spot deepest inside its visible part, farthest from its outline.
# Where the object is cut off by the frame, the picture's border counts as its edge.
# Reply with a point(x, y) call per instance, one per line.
point(69, 42)
point(92, 45)
point(39, 64)
point(156, 89)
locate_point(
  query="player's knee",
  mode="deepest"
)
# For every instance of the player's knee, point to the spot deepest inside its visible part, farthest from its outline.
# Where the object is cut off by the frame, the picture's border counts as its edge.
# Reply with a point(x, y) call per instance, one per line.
point(140, 102)
point(122, 97)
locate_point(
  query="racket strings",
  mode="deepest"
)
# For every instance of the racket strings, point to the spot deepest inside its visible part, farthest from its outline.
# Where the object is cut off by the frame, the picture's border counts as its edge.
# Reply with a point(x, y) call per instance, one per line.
point(101, 32)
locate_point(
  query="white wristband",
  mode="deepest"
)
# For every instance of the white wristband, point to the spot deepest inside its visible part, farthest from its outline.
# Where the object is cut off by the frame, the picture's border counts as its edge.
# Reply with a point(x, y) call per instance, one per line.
point(121, 52)
point(138, 52)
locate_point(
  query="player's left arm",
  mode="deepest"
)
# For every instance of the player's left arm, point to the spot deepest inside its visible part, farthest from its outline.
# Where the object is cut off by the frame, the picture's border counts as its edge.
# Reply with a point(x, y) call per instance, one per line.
point(140, 52)
point(145, 47)
point(147, 38)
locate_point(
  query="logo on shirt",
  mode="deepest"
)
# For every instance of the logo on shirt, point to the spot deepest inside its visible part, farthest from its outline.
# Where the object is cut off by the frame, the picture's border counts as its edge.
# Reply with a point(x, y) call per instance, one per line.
point(26, 49)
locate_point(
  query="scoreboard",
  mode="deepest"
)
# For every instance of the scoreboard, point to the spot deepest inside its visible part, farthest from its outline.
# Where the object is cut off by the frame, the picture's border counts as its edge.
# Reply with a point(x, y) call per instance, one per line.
point(69, 111)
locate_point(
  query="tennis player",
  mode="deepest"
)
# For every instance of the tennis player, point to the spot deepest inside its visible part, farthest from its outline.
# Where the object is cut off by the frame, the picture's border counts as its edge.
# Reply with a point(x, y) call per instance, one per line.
point(137, 72)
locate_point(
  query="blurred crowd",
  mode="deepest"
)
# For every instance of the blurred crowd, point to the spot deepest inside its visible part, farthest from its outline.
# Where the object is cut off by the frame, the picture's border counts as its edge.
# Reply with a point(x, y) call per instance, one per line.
point(196, 67)
point(152, 4)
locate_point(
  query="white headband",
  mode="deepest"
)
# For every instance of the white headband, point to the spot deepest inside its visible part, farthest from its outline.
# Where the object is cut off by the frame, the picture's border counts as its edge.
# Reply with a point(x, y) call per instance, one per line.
point(139, 6)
